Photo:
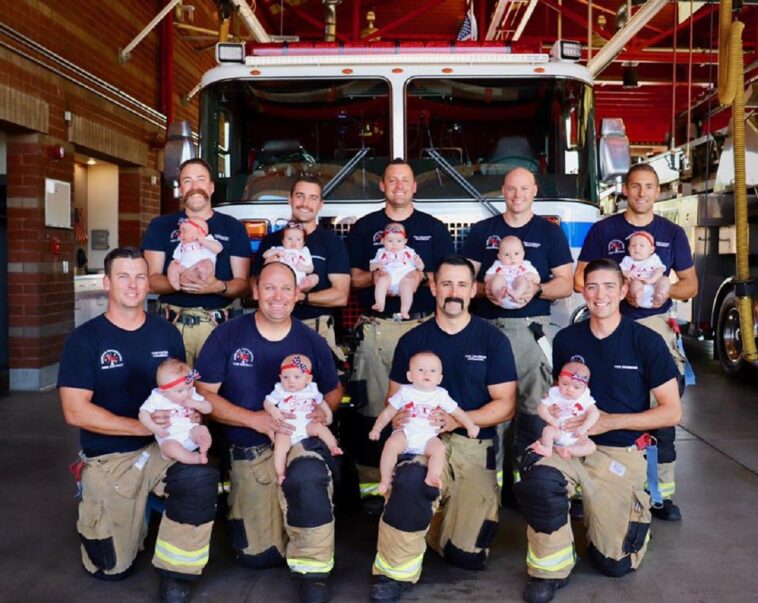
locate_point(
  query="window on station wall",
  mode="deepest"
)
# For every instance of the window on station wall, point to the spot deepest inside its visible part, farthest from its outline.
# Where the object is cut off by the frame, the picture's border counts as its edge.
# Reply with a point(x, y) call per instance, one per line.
point(485, 127)
point(265, 132)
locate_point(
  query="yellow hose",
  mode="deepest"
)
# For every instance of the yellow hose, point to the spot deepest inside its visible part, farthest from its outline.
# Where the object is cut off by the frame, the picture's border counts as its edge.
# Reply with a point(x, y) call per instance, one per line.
point(732, 92)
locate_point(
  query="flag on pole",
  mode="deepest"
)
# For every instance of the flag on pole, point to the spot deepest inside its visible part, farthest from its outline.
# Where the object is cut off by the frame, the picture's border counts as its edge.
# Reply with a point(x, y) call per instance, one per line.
point(469, 31)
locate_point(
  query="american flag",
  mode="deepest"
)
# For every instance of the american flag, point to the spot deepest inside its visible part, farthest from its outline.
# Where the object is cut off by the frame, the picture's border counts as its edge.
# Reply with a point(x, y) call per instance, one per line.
point(469, 30)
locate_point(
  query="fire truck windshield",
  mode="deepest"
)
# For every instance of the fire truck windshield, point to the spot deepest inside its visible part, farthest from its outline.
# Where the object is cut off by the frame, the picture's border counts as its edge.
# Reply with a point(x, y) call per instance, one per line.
point(260, 133)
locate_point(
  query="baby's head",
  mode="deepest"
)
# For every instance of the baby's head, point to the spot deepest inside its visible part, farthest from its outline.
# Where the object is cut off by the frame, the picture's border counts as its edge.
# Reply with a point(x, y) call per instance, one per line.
point(175, 380)
point(425, 371)
point(293, 236)
point(192, 229)
point(295, 372)
point(573, 379)
point(510, 251)
point(394, 237)
point(641, 245)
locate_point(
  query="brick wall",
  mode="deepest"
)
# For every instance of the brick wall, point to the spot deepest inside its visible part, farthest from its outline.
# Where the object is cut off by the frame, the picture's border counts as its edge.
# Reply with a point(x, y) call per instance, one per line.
point(34, 98)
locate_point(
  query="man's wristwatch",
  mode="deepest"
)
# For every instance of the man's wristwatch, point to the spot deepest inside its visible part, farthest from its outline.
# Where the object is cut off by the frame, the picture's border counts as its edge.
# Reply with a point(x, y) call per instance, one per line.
point(225, 289)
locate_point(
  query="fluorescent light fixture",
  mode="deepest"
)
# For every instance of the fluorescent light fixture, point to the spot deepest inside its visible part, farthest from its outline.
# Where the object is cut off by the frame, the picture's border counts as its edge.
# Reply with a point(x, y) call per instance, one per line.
point(230, 53)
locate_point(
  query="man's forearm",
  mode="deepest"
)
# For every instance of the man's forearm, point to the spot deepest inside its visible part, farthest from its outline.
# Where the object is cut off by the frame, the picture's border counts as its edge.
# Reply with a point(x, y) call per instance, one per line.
point(332, 297)
point(492, 413)
point(227, 413)
point(361, 279)
point(159, 284)
point(334, 398)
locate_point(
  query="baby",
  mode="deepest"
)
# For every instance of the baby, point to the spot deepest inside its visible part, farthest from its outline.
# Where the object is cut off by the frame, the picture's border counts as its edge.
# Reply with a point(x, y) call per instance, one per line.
point(510, 276)
point(175, 393)
point(196, 249)
point(296, 394)
point(421, 398)
point(644, 271)
point(395, 261)
point(571, 398)
point(295, 254)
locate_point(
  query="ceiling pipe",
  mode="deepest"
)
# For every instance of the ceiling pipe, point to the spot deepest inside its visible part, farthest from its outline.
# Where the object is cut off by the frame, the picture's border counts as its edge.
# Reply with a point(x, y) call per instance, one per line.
point(616, 44)
point(125, 54)
point(251, 21)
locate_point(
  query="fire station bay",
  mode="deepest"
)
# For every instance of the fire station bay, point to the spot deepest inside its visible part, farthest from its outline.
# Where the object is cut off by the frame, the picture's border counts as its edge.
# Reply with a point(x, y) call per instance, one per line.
point(450, 300)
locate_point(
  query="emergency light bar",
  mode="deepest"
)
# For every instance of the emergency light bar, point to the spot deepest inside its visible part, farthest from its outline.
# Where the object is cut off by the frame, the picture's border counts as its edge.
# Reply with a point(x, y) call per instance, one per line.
point(230, 53)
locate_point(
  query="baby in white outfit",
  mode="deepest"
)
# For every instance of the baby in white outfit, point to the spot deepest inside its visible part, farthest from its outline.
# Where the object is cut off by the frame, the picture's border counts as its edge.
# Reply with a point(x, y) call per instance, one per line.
point(197, 249)
point(510, 275)
point(570, 399)
point(176, 394)
point(418, 436)
point(645, 271)
point(296, 255)
point(294, 398)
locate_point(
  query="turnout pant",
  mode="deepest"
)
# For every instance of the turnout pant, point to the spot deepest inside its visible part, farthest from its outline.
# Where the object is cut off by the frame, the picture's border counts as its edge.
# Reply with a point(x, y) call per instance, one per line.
point(269, 524)
point(372, 362)
point(616, 510)
point(666, 436)
point(459, 522)
point(112, 522)
point(324, 326)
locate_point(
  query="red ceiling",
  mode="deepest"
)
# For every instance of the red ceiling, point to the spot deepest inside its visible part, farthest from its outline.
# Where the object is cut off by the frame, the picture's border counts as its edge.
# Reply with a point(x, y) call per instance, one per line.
point(647, 109)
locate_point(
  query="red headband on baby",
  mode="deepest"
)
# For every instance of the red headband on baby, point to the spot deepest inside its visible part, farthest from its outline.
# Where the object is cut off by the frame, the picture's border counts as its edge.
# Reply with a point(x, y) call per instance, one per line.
point(196, 225)
point(642, 233)
point(393, 228)
point(574, 375)
point(190, 377)
point(296, 363)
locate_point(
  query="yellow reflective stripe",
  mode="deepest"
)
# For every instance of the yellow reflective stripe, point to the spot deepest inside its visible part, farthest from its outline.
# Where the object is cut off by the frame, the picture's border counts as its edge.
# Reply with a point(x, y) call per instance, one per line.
point(310, 566)
point(406, 572)
point(516, 476)
point(224, 487)
point(173, 555)
point(667, 489)
point(552, 563)
point(346, 400)
point(500, 479)
point(369, 489)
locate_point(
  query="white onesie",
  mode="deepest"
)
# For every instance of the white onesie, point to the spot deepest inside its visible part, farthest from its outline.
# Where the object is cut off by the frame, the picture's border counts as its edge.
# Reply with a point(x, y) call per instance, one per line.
point(510, 273)
point(190, 254)
point(300, 403)
point(643, 269)
point(396, 264)
point(568, 410)
point(418, 430)
point(293, 257)
point(181, 424)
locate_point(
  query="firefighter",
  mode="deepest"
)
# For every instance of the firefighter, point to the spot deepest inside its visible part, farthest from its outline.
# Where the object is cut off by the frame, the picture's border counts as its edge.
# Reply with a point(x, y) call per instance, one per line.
point(626, 361)
point(378, 332)
point(459, 520)
point(609, 239)
point(239, 365)
point(201, 303)
point(107, 370)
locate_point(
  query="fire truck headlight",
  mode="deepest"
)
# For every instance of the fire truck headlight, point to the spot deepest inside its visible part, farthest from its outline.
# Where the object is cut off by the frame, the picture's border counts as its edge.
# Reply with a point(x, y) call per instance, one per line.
point(230, 53)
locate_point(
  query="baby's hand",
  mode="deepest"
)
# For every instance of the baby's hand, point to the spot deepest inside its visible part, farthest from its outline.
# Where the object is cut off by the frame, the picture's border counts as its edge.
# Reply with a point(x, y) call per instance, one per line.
point(161, 433)
point(419, 263)
point(473, 432)
point(276, 414)
point(374, 435)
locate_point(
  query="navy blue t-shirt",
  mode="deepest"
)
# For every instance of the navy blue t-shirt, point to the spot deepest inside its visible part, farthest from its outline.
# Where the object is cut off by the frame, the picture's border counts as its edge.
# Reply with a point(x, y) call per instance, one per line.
point(546, 248)
point(162, 234)
point(624, 367)
point(472, 360)
point(329, 257)
point(608, 239)
point(247, 366)
point(119, 368)
point(427, 236)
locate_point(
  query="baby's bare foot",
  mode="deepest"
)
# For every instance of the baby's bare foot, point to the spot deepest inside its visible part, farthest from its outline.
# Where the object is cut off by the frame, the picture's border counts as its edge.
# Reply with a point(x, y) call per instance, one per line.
point(435, 481)
point(382, 488)
point(541, 450)
point(336, 451)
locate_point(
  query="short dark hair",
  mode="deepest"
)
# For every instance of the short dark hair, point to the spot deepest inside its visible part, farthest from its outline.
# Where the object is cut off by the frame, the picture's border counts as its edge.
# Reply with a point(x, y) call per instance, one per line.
point(128, 253)
point(643, 167)
point(289, 268)
point(399, 161)
point(455, 259)
point(603, 264)
point(197, 161)
point(309, 178)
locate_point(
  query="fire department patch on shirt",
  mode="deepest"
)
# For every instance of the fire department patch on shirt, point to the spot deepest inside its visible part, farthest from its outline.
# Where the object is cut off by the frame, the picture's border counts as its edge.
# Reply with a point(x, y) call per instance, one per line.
point(617, 468)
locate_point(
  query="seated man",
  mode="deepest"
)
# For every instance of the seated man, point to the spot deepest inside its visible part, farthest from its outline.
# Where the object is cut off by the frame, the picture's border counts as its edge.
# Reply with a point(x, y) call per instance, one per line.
point(627, 361)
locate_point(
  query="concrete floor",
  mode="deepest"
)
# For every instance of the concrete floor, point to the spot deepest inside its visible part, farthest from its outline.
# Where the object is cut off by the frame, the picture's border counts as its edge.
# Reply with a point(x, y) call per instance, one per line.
point(709, 556)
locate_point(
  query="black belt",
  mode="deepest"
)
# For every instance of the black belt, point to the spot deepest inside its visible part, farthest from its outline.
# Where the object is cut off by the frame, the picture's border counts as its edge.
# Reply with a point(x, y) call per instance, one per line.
point(239, 453)
point(211, 315)
point(391, 315)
